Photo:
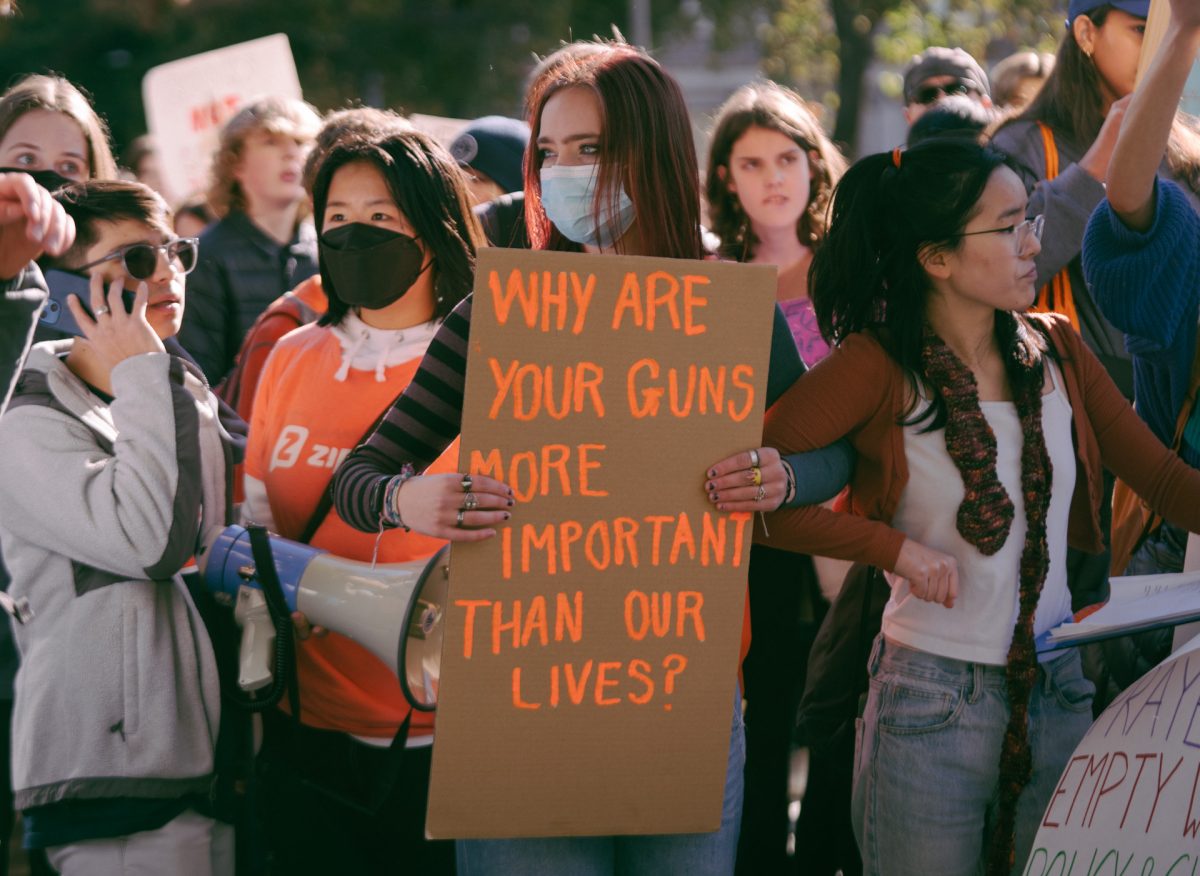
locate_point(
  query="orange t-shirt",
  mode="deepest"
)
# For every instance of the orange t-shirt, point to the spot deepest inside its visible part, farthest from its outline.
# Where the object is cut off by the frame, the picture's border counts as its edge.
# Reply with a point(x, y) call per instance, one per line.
point(304, 424)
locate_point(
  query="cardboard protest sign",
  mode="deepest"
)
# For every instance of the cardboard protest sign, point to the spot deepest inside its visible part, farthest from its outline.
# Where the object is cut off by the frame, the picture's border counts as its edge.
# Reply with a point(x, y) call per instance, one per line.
point(1156, 29)
point(1129, 798)
point(590, 653)
point(187, 101)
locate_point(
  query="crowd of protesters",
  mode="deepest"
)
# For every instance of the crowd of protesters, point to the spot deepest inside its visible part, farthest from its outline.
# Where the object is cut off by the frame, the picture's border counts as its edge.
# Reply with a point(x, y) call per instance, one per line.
point(961, 326)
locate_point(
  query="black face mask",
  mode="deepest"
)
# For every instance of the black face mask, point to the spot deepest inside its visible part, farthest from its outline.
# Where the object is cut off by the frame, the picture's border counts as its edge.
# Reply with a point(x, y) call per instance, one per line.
point(370, 267)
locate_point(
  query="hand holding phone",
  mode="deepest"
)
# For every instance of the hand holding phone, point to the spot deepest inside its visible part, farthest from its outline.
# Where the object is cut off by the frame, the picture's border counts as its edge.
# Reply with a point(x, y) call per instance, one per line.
point(63, 284)
point(110, 332)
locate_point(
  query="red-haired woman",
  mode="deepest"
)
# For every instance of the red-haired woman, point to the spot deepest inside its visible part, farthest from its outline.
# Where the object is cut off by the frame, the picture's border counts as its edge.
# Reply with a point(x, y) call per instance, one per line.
point(612, 169)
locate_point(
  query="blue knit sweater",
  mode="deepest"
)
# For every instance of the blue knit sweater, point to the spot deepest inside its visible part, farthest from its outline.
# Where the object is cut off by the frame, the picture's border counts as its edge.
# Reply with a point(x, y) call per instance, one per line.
point(1148, 285)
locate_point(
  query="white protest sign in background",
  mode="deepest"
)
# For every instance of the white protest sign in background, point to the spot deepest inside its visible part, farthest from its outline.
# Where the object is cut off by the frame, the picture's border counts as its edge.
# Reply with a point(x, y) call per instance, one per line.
point(1128, 801)
point(187, 101)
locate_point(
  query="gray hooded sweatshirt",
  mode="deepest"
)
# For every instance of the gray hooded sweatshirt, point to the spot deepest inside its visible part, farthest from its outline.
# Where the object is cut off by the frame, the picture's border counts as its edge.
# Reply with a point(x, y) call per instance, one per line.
point(100, 507)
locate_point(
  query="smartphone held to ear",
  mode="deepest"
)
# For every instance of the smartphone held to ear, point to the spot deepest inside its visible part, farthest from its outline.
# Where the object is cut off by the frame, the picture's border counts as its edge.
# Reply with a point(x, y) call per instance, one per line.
point(64, 284)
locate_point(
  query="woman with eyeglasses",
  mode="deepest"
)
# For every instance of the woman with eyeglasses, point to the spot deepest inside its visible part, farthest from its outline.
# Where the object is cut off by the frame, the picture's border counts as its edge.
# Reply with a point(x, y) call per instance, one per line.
point(981, 434)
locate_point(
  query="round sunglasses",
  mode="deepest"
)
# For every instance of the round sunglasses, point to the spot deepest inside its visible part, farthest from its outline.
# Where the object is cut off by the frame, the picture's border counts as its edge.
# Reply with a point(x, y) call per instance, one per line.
point(140, 260)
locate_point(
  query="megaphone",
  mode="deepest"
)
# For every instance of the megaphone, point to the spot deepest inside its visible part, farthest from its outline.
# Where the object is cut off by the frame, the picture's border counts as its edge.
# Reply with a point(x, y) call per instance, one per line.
point(393, 610)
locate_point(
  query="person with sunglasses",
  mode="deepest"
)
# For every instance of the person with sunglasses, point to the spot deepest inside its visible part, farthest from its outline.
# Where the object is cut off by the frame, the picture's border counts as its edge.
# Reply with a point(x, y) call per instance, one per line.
point(940, 72)
point(112, 471)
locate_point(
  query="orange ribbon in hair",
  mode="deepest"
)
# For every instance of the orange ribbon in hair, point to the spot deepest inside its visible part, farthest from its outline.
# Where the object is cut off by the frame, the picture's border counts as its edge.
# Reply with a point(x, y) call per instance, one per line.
point(896, 157)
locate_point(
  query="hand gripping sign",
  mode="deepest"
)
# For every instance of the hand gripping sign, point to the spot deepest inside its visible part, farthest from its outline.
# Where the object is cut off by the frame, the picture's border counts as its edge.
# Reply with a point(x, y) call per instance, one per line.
point(590, 653)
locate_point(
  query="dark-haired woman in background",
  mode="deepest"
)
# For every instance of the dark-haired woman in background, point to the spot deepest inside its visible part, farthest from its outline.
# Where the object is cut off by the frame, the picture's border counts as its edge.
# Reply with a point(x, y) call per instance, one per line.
point(981, 433)
point(397, 253)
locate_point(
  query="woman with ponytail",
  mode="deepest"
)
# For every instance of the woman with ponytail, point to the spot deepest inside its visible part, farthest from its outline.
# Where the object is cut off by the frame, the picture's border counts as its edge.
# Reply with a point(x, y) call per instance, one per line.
point(981, 434)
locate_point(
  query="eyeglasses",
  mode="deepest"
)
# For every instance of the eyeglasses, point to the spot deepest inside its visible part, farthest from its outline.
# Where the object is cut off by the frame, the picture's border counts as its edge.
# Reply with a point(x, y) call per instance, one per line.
point(1023, 230)
point(140, 260)
point(927, 94)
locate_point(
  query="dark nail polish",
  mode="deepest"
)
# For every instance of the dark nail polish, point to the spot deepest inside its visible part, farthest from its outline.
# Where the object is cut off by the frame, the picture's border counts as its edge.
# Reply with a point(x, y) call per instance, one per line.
point(507, 516)
point(715, 496)
point(712, 472)
point(510, 503)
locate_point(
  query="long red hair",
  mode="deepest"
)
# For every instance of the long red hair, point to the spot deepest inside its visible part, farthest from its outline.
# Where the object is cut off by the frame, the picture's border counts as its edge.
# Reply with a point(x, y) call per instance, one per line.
point(646, 146)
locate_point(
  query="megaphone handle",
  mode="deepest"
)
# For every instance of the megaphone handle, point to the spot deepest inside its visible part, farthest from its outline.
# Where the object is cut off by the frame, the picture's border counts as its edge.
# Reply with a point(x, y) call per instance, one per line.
point(268, 579)
point(258, 640)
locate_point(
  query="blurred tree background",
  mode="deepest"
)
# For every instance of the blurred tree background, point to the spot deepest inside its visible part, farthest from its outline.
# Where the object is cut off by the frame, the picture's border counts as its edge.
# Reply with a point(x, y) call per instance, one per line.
point(466, 58)
point(826, 47)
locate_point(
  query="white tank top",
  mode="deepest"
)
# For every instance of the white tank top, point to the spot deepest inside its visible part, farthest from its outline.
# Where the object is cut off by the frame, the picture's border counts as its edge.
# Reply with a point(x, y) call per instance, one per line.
point(980, 626)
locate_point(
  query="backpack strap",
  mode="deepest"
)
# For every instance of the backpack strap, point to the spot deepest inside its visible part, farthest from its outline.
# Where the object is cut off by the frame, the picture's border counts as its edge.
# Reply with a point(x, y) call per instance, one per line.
point(1056, 296)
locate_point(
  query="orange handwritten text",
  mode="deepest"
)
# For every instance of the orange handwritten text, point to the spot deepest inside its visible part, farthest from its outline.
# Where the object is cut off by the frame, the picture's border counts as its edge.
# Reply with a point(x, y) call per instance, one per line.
point(598, 682)
point(694, 390)
point(544, 298)
point(531, 473)
point(654, 540)
point(521, 624)
point(651, 613)
point(660, 289)
point(524, 391)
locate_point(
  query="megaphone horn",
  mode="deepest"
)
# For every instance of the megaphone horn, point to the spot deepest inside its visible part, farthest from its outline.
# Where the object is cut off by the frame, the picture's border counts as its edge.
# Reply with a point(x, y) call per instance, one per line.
point(393, 610)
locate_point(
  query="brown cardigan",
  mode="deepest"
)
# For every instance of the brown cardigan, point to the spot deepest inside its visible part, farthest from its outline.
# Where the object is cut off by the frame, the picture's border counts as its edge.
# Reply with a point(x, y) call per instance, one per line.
point(860, 391)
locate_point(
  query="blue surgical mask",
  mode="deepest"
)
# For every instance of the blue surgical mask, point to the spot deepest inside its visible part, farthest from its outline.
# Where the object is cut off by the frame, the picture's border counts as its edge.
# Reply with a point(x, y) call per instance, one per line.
point(569, 199)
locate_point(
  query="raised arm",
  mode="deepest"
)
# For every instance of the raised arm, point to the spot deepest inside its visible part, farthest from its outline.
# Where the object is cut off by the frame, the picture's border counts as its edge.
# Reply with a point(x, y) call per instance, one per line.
point(1151, 114)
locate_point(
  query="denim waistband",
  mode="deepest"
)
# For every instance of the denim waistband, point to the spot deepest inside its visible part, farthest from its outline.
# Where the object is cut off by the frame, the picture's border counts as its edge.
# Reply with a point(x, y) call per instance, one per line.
point(891, 656)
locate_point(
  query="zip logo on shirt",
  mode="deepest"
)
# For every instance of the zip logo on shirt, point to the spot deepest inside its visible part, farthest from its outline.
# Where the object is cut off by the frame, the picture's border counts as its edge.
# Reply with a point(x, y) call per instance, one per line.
point(290, 446)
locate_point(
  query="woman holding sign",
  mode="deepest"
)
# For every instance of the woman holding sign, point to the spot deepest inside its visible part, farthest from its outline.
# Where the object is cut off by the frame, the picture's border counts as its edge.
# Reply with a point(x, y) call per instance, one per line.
point(611, 169)
point(981, 435)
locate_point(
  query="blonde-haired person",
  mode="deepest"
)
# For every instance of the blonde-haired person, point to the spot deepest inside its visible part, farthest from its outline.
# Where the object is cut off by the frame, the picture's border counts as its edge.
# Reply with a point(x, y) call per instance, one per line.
point(46, 123)
point(264, 243)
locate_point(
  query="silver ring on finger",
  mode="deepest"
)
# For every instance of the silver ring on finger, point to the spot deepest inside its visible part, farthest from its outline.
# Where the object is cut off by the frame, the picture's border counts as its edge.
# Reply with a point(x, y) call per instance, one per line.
point(754, 458)
point(466, 483)
point(102, 311)
point(471, 502)
point(459, 520)
point(761, 494)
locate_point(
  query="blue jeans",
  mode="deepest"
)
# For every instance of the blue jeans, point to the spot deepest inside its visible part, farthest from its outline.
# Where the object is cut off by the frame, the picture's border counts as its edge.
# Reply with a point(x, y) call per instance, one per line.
point(693, 854)
point(929, 754)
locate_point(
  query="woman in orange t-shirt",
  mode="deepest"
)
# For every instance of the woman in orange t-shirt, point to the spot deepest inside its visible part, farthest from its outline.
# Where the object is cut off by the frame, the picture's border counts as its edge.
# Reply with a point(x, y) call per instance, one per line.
point(345, 779)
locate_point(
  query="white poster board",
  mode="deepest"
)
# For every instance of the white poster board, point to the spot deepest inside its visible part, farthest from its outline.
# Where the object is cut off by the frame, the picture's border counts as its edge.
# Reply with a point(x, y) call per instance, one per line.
point(187, 101)
point(1129, 798)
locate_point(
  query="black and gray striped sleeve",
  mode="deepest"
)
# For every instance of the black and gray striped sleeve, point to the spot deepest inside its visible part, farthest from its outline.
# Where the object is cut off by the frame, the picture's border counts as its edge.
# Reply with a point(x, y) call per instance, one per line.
point(419, 426)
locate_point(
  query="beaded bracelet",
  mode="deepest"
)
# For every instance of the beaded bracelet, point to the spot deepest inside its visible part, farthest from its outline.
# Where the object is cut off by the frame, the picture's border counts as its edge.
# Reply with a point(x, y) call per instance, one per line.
point(790, 492)
point(389, 514)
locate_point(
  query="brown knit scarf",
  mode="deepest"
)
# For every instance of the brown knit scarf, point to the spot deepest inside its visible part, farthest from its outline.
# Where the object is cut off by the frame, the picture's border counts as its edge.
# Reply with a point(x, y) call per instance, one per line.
point(985, 519)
